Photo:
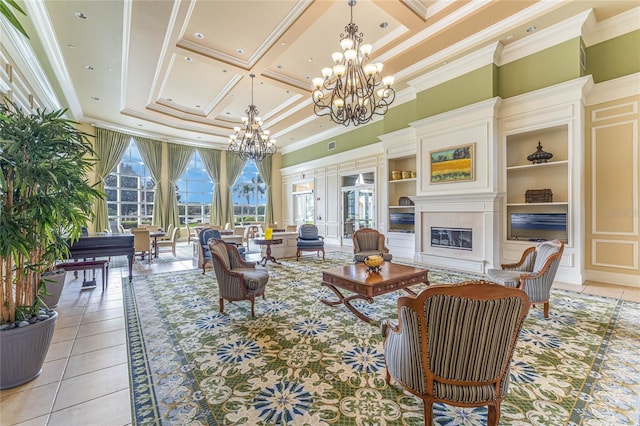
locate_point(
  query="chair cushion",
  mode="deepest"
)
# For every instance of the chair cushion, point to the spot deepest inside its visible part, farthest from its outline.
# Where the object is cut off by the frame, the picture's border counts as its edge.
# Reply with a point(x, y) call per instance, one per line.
point(360, 256)
point(221, 251)
point(254, 278)
point(544, 250)
point(367, 240)
point(310, 243)
point(506, 278)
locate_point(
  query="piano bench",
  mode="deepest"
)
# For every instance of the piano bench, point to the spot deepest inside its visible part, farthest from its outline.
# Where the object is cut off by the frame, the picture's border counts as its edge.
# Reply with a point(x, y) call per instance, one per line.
point(84, 265)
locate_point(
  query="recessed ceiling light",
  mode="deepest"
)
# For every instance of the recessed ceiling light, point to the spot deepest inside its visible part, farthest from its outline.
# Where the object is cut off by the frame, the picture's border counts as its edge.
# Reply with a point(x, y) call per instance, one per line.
point(240, 51)
point(445, 62)
point(169, 100)
point(188, 58)
point(532, 29)
point(95, 98)
point(310, 59)
point(199, 35)
point(280, 67)
point(308, 77)
point(284, 43)
point(70, 46)
point(228, 113)
point(81, 15)
point(88, 67)
point(197, 106)
point(199, 137)
point(509, 37)
point(384, 24)
point(139, 125)
point(109, 69)
point(225, 70)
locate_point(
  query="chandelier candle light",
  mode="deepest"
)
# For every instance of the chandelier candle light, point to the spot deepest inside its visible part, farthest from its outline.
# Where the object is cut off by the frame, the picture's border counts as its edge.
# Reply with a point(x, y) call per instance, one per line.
point(251, 142)
point(352, 91)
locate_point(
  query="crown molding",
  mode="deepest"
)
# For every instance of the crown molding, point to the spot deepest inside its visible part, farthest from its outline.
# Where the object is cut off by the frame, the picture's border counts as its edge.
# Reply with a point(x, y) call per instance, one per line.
point(481, 57)
point(357, 154)
point(617, 88)
point(613, 27)
point(546, 38)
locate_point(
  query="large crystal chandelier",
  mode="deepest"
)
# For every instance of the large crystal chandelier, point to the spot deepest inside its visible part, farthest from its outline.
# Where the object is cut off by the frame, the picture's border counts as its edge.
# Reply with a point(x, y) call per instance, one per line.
point(251, 142)
point(352, 91)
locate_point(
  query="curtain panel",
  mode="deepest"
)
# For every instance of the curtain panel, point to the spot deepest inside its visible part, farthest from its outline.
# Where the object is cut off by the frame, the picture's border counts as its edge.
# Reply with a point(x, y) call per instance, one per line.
point(179, 156)
point(110, 147)
point(235, 165)
point(264, 167)
point(212, 160)
point(151, 153)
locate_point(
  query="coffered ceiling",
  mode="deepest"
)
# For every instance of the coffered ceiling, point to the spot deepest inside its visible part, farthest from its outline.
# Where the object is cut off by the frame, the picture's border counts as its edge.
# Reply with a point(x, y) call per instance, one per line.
point(179, 70)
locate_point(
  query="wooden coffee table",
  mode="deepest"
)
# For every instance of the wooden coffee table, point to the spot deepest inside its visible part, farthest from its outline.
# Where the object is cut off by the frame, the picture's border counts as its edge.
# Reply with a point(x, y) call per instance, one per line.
point(367, 285)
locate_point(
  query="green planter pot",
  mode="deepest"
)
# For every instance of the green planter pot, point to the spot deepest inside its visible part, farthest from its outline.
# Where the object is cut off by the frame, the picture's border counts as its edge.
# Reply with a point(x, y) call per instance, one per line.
point(23, 350)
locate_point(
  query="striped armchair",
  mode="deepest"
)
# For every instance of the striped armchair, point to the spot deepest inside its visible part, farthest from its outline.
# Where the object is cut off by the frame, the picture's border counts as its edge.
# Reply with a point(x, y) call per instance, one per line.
point(534, 273)
point(367, 241)
point(454, 343)
point(237, 279)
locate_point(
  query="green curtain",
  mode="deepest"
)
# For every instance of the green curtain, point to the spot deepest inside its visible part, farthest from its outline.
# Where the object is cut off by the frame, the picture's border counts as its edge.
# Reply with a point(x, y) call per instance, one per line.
point(212, 159)
point(110, 147)
point(235, 164)
point(179, 156)
point(264, 167)
point(151, 153)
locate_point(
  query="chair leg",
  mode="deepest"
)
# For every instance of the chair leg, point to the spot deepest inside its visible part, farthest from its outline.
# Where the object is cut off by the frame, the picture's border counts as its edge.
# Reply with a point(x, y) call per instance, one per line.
point(388, 377)
point(297, 255)
point(546, 309)
point(428, 412)
point(493, 414)
point(253, 315)
point(221, 301)
point(322, 254)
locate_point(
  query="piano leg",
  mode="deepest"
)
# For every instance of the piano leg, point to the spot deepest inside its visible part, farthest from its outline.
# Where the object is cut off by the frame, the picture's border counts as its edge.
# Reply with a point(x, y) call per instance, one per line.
point(130, 258)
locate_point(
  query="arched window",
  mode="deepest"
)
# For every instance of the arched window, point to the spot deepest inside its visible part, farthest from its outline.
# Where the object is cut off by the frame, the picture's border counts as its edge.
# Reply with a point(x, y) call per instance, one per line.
point(130, 191)
point(249, 196)
point(194, 192)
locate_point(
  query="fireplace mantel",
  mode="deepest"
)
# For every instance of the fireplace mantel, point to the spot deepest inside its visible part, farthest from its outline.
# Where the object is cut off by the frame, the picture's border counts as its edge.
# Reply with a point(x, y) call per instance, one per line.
point(478, 211)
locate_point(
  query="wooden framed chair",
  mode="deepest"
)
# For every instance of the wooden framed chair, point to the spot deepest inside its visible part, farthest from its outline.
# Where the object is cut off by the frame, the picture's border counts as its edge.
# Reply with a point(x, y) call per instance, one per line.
point(367, 242)
point(142, 242)
point(309, 240)
point(454, 344)
point(534, 272)
point(237, 279)
point(171, 242)
point(191, 232)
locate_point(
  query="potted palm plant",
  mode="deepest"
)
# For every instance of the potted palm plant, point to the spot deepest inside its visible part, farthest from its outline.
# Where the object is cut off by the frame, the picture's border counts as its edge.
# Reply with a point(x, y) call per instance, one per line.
point(45, 201)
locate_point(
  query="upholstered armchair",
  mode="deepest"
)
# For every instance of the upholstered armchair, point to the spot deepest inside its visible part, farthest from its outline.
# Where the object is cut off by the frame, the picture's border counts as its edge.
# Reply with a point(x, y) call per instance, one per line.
point(367, 241)
point(534, 273)
point(454, 343)
point(237, 279)
point(309, 240)
point(204, 258)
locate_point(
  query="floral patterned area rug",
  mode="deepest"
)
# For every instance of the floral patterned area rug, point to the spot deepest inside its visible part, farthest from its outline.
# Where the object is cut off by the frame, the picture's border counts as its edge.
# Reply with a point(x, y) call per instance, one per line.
point(301, 362)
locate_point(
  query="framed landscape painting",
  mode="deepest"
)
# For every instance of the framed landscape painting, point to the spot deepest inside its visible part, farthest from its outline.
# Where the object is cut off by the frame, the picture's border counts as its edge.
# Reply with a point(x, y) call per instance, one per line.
point(453, 164)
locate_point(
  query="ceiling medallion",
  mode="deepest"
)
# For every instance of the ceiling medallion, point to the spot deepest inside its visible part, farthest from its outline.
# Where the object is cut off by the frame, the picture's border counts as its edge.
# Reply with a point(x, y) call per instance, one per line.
point(250, 142)
point(352, 91)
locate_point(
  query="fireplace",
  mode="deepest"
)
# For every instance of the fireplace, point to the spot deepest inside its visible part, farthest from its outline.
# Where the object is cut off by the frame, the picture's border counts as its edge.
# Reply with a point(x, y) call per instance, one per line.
point(452, 238)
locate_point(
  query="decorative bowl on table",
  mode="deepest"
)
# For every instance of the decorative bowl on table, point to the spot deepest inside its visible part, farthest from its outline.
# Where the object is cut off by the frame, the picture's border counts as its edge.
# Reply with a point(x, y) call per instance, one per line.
point(374, 262)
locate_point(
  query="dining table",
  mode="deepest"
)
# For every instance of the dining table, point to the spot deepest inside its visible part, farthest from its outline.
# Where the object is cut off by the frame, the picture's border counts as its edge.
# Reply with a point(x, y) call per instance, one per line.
point(155, 235)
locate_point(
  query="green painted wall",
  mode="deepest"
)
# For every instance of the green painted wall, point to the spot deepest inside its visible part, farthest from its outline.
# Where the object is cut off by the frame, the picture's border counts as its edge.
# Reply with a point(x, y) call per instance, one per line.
point(551, 66)
point(614, 58)
point(607, 60)
point(467, 89)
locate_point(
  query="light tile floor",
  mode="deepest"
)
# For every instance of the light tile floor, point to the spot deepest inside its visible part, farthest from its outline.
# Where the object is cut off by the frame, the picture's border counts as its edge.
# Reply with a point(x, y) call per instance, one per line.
point(85, 379)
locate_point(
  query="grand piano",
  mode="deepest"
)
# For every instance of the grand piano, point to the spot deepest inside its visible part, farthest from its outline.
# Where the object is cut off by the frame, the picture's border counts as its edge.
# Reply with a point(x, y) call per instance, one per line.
point(88, 247)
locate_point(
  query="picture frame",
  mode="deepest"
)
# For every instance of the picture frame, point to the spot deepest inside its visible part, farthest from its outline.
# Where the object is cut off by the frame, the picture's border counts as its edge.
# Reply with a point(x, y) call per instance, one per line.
point(453, 164)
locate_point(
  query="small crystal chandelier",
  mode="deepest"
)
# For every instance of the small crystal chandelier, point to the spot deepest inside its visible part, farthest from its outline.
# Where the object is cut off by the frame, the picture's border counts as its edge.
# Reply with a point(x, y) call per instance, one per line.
point(352, 91)
point(251, 142)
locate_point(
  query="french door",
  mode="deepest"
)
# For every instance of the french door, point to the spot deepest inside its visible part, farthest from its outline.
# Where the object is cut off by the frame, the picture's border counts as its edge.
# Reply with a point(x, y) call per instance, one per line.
point(357, 211)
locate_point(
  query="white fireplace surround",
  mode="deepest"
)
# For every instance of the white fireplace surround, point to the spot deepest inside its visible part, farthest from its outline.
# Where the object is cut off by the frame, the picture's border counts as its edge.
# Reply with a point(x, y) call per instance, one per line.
point(478, 211)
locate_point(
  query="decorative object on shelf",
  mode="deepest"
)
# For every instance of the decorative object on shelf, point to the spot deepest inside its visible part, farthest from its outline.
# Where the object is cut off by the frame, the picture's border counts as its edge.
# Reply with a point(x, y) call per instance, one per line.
point(352, 91)
point(396, 175)
point(374, 262)
point(406, 175)
point(414, 175)
point(405, 201)
point(538, 196)
point(250, 142)
point(453, 164)
point(539, 156)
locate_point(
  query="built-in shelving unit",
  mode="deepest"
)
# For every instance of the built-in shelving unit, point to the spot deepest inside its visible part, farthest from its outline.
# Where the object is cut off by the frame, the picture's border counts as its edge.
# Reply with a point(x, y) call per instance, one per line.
point(542, 218)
